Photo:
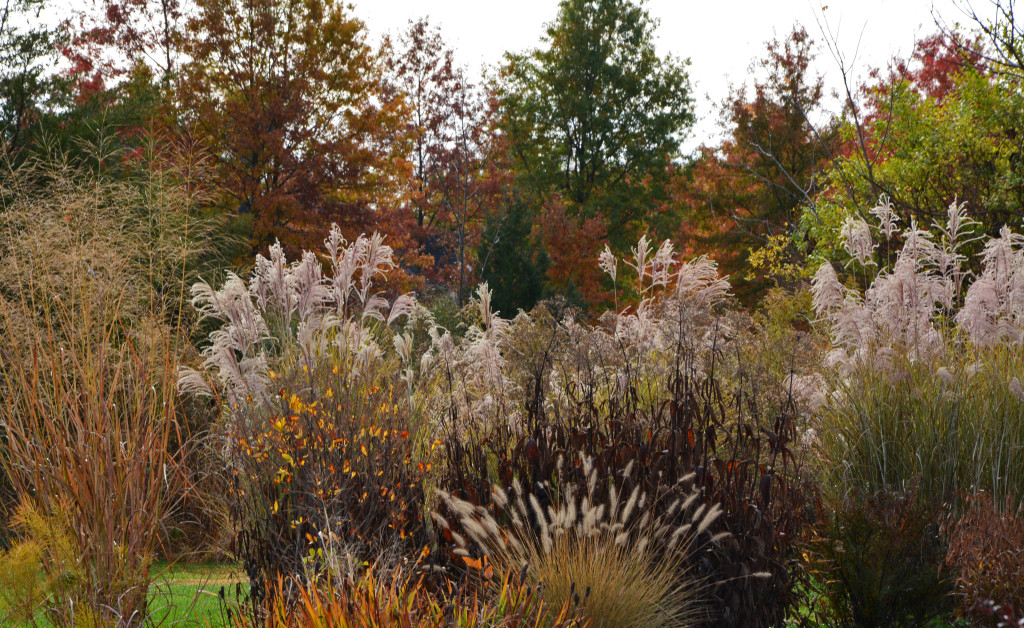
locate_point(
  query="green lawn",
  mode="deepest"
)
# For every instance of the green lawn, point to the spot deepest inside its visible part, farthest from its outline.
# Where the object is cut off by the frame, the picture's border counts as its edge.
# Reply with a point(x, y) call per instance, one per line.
point(190, 594)
point(187, 594)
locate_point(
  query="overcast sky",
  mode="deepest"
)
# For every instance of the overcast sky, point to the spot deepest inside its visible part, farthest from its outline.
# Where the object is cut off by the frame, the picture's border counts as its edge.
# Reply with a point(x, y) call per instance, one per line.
point(720, 38)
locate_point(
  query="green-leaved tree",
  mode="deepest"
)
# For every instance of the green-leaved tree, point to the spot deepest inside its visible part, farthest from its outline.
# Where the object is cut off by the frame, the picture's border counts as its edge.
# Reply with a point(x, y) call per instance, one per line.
point(593, 118)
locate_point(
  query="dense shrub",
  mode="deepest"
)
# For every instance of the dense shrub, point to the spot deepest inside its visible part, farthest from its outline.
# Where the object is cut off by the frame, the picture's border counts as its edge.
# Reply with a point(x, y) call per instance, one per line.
point(986, 552)
point(880, 558)
point(327, 463)
point(327, 485)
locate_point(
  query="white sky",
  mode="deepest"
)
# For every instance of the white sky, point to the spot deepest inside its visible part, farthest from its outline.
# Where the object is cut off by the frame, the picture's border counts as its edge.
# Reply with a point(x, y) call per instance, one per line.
point(721, 38)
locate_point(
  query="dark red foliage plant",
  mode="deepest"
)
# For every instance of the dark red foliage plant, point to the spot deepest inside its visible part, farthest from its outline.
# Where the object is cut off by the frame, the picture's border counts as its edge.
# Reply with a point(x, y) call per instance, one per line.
point(720, 436)
point(986, 548)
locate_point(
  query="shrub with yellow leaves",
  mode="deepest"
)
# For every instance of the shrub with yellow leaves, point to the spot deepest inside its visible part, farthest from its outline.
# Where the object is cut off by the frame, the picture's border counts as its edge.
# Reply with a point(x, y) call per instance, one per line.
point(328, 484)
point(327, 468)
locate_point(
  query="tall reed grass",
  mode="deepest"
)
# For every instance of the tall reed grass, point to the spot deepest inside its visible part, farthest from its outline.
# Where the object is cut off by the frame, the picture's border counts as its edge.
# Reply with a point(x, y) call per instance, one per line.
point(956, 426)
point(88, 420)
point(97, 256)
point(926, 362)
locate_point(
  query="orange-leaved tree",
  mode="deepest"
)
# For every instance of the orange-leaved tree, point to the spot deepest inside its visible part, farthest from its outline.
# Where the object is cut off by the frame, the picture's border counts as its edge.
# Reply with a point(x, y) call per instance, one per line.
point(747, 193)
point(291, 99)
point(453, 151)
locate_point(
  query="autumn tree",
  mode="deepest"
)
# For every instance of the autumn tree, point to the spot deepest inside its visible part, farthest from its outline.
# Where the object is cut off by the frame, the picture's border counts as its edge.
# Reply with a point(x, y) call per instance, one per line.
point(931, 69)
point(593, 119)
point(453, 139)
point(112, 38)
point(746, 194)
point(145, 30)
point(53, 99)
point(937, 128)
point(120, 62)
point(289, 97)
point(468, 182)
point(426, 74)
point(997, 29)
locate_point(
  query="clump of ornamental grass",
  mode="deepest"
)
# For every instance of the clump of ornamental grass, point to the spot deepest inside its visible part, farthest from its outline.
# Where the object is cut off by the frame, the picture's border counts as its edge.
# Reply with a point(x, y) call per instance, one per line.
point(620, 561)
point(137, 217)
point(924, 380)
point(89, 418)
point(488, 378)
point(96, 259)
point(326, 459)
point(957, 425)
point(294, 317)
point(368, 600)
point(613, 585)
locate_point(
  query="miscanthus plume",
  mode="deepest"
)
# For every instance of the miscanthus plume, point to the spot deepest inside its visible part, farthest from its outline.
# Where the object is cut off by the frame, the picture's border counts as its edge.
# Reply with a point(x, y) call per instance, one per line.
point(927, 298)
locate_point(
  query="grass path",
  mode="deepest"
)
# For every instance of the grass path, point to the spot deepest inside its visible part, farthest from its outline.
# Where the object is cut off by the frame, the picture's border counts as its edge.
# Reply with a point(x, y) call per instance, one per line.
point(190, 594)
